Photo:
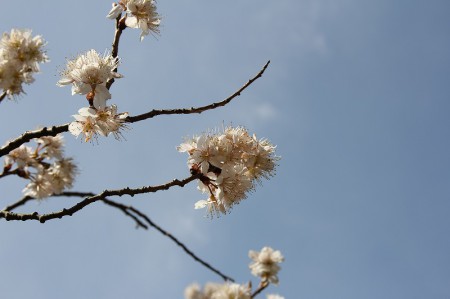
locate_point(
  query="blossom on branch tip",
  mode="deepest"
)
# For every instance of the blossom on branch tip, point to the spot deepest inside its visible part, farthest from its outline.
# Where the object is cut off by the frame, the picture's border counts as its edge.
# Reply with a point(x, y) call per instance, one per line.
point(218, 291)
point(139, 14)
point(52, 179)
point(22, 47)
point(20, 55)
point(23, 156)
point(45, 166)
point(91, 122)
point(265, 264)
point(274, 296)
point(53, 146)
point(230, 163)
point(88, 74)
point(115, 11)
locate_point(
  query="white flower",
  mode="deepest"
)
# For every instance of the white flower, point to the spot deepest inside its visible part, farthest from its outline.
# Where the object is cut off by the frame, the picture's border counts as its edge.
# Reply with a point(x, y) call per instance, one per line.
point(115, 11)
point(20, 55)
point(45, 166)
point(62, 174)
point(265, 264)
point(142, 14)
point(274, 296)
point(261, 160)
point(23, 156)
point(53, 146)
point(12, 77)
point(92, 122)
point(193, 291)
point(21, 47)
point(40, 186)
point(229, 162)
point(232, 291)
point(52, 179)
point(232, 186)
point(218, 291)
point(88, 74)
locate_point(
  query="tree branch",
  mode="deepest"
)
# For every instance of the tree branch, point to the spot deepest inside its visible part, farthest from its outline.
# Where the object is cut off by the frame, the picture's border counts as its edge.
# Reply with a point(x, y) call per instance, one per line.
point(125, 209)
point(154, 112)
point(131, 212)
point(261, 287)
point(120, 27)
point(13, 172)
point(28, 135)
point(189, 252)
point(53, 131)
point(8, 215)
point(2, 96)
point(17, 204)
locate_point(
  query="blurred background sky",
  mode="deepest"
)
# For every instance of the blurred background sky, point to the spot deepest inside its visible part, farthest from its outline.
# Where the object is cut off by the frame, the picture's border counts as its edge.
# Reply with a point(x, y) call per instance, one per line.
point(356, 98)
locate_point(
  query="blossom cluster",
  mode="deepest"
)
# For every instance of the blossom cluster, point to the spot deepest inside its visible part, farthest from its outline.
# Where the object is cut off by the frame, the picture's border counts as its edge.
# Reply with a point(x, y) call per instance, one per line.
point(264, 265)
point(218, 291)
point(230, 163)
point(20, 55)
point(88, 73)
point(138, 14)
point(91, 122)
point(45, 166)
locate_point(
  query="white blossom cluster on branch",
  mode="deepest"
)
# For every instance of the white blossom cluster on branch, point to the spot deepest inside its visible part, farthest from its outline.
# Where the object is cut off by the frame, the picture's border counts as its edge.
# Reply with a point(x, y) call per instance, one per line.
point(218, 291)
point(265, 264)
point(231, 162)
point(263, 261)
point(88, 74)
point(45, 166)
point(91, 122)
point(20, 55)
point(138, 14)
point(228, 164)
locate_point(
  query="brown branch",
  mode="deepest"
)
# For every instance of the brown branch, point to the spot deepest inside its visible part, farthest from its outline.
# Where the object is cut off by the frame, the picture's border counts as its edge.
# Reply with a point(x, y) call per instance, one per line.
point(189, 252)
point(129, 210)
point(53, 131)
point(125, 209)
point(28, 135)
point(120, 27)
point(12, 172)
point(91, 199)
point(26, 199)
point(154, 112)
point(2, 96)
point(17, 204)
point(262, 286)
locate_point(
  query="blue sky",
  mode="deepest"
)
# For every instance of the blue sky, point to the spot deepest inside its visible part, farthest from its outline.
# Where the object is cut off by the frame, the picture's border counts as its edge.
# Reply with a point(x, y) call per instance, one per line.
point(356, 98)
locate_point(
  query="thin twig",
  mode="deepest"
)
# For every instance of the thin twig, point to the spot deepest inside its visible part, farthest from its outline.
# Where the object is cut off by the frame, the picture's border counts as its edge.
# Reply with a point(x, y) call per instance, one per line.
point(167, 234)
point(129, 210)
point(125, 209)
point(120, 27)
point(53, 131)
point(91, 199)
point(28, 135)
point(12, 172)
point(154, 112)
point(17, 204)
point(2, 96)
point(260, 288)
